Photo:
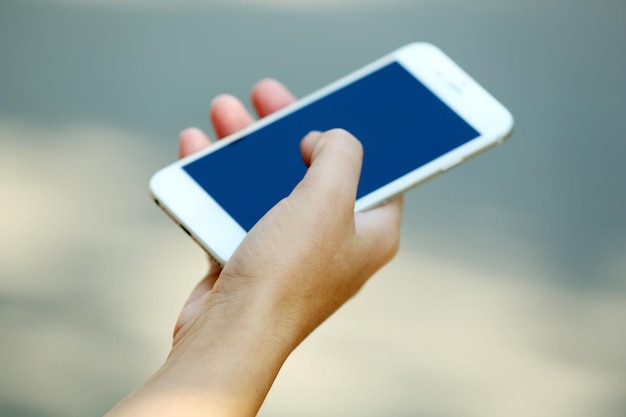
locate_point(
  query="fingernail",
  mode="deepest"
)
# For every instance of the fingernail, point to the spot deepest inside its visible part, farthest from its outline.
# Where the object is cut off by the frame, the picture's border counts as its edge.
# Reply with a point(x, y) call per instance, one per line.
point(189, 131)
point(222, 97)
point(313, 134)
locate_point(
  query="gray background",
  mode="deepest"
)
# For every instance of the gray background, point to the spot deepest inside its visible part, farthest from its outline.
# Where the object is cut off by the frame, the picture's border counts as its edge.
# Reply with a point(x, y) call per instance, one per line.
point(93, 95)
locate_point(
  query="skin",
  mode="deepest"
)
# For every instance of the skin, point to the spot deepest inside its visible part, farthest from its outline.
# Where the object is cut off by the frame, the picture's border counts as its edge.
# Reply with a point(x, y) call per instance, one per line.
point(302, 261)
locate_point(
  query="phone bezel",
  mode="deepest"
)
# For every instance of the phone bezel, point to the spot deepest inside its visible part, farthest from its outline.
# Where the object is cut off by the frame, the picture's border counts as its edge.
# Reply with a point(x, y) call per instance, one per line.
point(219, 234)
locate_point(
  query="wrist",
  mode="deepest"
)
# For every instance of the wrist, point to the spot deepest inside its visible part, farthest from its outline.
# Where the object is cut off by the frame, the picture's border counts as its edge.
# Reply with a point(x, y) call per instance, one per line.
point(229, 357)
point(223, 364)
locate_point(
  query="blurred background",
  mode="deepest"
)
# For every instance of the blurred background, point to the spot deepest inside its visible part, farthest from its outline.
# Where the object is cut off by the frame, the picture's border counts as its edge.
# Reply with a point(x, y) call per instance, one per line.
point(508, 297)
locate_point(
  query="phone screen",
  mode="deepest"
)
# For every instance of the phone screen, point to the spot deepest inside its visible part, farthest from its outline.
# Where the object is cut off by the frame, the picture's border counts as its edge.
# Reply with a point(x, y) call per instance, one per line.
point(401, 124)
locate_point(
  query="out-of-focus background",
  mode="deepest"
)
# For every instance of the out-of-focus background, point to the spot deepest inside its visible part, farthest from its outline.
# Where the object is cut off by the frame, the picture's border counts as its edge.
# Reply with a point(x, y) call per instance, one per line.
point(508, 297)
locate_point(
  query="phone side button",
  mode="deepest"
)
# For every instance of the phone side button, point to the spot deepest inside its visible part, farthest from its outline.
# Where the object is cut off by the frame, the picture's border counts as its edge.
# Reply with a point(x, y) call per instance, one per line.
point(186, 231)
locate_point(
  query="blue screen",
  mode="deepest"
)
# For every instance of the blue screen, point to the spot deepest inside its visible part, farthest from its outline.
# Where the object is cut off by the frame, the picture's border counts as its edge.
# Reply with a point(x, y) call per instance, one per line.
point(401, 124)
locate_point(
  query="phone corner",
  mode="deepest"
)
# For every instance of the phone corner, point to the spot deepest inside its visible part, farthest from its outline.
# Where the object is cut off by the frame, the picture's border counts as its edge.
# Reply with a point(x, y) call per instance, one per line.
point(422, 45)
point(155, 181)
point(509, 125)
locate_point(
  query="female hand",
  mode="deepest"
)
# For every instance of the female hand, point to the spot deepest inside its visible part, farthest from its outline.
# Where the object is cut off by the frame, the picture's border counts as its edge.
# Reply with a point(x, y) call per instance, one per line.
point(297, 265)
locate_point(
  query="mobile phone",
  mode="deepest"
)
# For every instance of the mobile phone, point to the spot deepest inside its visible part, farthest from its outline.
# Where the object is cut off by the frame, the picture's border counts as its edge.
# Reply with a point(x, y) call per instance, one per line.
point(416, 113)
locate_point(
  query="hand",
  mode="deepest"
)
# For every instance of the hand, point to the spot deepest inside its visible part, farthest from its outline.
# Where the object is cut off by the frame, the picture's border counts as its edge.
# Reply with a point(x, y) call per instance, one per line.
point(297, 265)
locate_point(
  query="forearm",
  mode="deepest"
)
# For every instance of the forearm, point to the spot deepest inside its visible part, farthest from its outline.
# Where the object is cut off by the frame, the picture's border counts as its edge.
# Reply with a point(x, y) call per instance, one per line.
point(224, 365)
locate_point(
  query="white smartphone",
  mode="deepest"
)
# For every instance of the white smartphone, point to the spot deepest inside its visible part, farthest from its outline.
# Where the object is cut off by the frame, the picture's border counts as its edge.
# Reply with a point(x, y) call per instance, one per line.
point(415, 111)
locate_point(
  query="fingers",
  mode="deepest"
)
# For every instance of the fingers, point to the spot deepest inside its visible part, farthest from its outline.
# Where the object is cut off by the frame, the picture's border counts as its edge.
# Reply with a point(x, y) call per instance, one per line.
point(191, 140)
point(335, 159)
point(269, 95)
point(228, 115)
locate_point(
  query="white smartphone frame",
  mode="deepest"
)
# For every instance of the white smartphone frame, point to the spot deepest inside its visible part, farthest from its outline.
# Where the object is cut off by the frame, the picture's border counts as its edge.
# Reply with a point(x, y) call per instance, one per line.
point(219, 234)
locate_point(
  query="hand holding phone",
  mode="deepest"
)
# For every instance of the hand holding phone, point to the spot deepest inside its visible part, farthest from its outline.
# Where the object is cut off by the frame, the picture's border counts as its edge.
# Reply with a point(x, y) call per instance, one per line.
point(305, 256)
point(228, 115)
point(296, 266)
point(415, 111)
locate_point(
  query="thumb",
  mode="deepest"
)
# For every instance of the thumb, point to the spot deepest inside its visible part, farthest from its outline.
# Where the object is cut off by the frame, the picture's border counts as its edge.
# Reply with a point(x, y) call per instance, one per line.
point(334, 158)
